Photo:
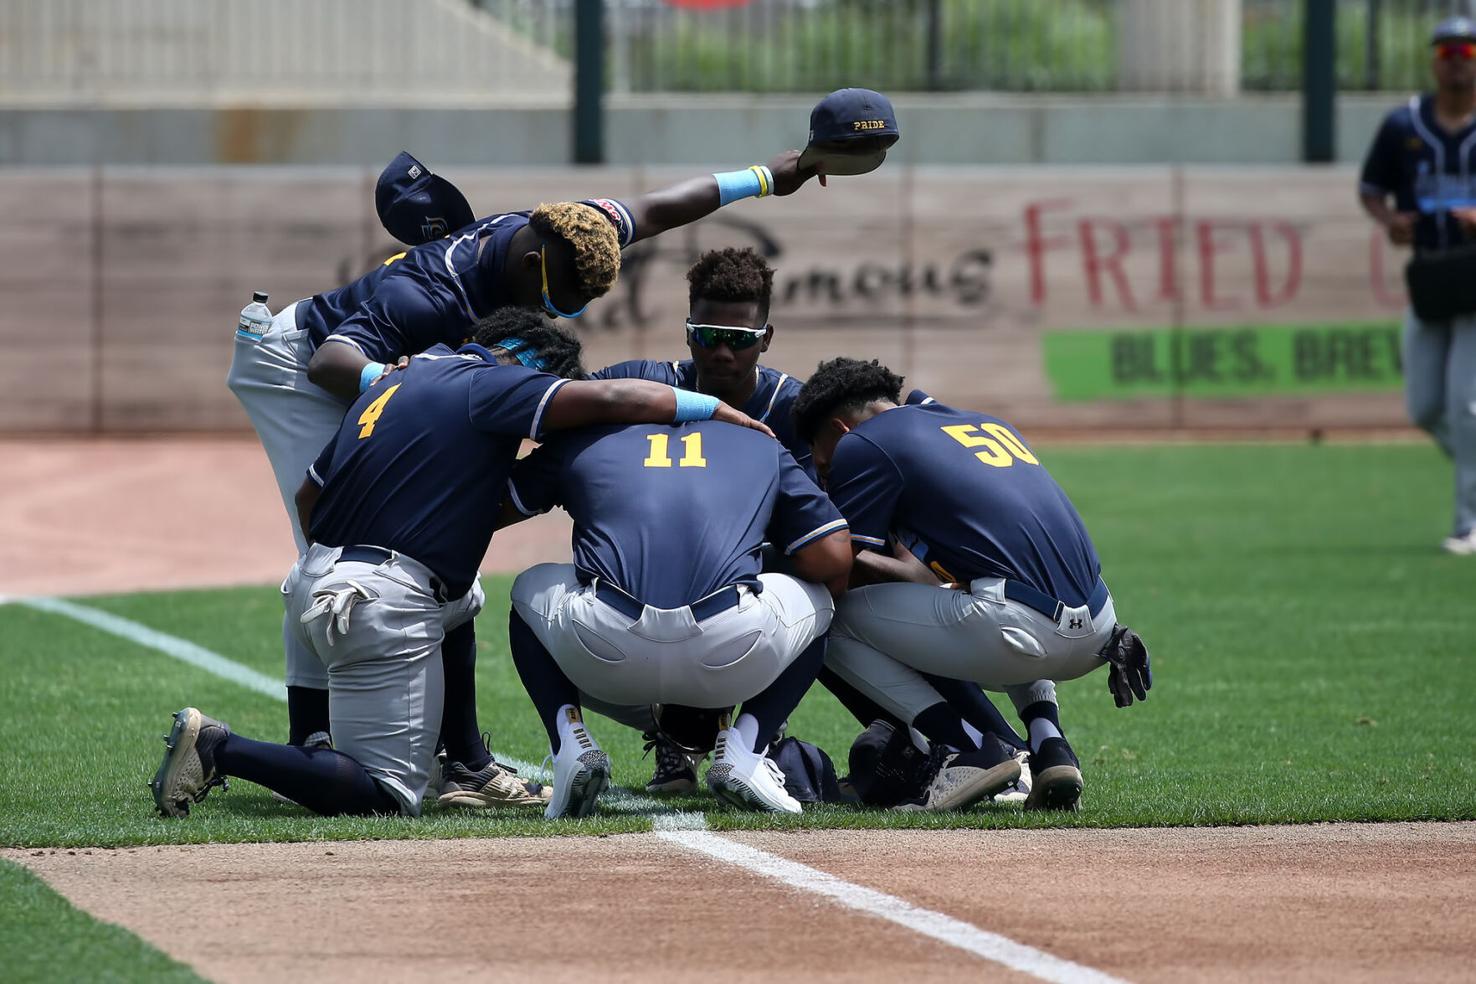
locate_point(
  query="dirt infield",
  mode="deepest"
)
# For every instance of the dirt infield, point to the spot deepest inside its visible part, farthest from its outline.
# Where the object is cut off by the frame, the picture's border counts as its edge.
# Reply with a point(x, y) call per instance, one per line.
point(88, 517)
point(1318, 903)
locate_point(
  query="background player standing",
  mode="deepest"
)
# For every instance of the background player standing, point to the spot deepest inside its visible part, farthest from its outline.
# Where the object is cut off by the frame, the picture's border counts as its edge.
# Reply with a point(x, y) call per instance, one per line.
point(1424, 158)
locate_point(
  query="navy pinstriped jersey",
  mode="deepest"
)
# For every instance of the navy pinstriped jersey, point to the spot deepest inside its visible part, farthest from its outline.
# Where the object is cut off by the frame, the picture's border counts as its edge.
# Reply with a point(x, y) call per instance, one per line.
point(430, 294)
point(1427, 169)
point(966, 494)
point(672, 513)
point(421, 462)
point(772, 401)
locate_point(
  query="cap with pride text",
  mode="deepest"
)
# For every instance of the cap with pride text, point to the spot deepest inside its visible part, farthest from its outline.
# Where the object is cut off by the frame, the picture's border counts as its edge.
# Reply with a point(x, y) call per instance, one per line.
point(850, 131)
point(1454, 29)
point(416, 206)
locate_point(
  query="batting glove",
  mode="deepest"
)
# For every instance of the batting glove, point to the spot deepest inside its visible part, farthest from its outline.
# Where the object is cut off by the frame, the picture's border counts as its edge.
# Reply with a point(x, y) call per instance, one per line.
point(1130, 674)
point(338, 606)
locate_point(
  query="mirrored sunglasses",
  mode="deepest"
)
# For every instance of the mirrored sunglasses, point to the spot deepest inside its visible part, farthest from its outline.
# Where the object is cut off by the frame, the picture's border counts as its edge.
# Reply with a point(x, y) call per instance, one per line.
point(1456, 51)
point(711, 336)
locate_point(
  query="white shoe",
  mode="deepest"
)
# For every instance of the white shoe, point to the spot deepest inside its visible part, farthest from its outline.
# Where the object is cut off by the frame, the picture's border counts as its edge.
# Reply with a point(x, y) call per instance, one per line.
point(745, 779)
point(959, 780)
point(1019, 790)
point(581, 773)
point(1461, 546)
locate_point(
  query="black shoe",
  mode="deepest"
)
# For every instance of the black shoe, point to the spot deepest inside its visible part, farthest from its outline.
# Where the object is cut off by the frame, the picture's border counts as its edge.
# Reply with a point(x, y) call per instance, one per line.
point(188, 771)
point(676, 773)
point(1055, 777)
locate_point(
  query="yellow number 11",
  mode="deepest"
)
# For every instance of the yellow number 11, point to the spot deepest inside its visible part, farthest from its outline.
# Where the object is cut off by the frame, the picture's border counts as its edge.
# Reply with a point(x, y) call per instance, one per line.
point(691, 451)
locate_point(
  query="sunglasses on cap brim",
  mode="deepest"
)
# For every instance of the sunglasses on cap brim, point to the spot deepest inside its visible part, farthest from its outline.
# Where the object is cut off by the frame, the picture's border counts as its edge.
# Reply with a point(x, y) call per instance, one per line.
point(548, 304)
point(1456, 50)
point(711, 336)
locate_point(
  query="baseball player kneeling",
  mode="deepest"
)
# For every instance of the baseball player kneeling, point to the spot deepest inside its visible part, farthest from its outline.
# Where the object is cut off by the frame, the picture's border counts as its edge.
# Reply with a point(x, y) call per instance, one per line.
point(1021, 601)
point(665, 602)
point(398, 511)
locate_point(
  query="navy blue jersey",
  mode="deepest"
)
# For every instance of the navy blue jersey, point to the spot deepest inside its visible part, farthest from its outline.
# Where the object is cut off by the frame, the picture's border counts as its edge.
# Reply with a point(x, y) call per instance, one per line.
point(671, 513)
point(421, 462)
point(772, 401)
point(966, 495)
point(1426, 169)
point(431, 294)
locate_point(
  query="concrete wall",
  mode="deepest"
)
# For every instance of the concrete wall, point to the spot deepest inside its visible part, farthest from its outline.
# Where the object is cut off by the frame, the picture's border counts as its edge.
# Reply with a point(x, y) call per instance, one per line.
point(967, 130)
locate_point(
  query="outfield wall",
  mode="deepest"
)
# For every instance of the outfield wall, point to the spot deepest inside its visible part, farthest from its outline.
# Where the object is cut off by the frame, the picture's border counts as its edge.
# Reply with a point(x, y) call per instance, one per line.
point(1132, 298)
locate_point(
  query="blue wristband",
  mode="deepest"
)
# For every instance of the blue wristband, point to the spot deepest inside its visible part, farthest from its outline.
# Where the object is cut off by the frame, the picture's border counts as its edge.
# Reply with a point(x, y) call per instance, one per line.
point(369, 374)
point(693, 406)
point(751, 182)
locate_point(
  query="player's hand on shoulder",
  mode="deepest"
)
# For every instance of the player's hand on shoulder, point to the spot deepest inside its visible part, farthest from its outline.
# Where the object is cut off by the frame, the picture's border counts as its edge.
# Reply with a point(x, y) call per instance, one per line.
point(788, 175)
point(728, 415)
point(392, 367)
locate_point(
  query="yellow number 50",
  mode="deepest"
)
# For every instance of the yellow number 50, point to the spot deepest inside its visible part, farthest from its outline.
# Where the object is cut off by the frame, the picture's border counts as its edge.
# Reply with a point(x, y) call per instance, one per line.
point(1001, 450)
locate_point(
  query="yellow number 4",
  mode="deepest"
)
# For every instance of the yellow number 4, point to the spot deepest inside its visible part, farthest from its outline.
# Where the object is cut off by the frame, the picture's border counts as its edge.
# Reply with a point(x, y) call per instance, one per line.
point(691, 451)
point(371, 413)
point(1000, 451)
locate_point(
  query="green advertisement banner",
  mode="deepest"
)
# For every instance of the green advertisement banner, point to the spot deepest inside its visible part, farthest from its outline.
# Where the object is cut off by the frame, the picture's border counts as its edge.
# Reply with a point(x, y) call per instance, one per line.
point(1231, 362)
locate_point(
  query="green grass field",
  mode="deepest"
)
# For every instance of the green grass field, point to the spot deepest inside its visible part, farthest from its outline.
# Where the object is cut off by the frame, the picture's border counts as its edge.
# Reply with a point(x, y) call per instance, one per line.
point(1312, 652)
point(1312, 655)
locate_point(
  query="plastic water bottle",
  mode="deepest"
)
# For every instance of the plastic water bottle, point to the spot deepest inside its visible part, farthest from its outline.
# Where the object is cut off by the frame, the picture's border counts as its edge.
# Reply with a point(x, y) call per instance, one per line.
point(256, 318)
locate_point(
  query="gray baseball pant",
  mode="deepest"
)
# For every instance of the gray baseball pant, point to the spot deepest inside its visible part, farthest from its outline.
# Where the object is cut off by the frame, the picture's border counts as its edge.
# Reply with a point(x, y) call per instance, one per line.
point(667, 656)
point(1440, 392)
point(295, 420)
point(886, 635)
point(386, 684)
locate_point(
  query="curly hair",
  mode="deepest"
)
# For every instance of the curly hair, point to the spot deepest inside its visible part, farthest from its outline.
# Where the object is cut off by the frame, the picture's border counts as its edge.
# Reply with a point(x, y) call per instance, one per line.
point(590, 235)
point(731, 275)
point(558, 349)
point(839, 385)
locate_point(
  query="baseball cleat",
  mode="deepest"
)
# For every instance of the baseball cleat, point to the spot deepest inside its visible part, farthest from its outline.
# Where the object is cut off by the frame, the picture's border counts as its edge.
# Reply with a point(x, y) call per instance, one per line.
point(1055, 777)
point(676, 771)
point(318, 739)
point(187, 773)
point(1017, 792)
point(581, 772)
point(961, 779)
point(1463, 545)
point(746, 779)
point(493, 785)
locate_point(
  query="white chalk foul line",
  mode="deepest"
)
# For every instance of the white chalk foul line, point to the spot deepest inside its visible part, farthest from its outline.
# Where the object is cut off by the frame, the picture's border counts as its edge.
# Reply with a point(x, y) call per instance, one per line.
point(685, 830)
point(926, 922)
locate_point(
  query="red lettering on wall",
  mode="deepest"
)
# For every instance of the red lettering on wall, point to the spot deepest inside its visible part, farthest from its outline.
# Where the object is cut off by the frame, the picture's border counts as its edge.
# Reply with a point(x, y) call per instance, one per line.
point(1036, 244)
point(1209, 246)
point(1168, 257)
point(1096, 264)
point(1265, 296)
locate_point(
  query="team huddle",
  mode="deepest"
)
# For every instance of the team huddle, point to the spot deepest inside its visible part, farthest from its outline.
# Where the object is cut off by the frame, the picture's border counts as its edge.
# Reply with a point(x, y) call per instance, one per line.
point(737, 537)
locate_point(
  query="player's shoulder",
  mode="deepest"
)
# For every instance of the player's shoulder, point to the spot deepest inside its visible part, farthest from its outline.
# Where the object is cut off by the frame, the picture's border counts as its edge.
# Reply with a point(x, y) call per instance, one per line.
point(657, 372)
point(1405, 115)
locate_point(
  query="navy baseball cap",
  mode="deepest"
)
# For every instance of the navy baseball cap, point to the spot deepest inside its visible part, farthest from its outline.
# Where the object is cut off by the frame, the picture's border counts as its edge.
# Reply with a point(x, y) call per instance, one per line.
point(416, 206)
point(850, 131)
point(1454, 29)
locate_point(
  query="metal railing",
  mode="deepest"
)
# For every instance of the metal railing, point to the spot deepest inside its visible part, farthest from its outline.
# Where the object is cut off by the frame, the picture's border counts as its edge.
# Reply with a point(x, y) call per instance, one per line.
point(1381, 44)
point(489, 50)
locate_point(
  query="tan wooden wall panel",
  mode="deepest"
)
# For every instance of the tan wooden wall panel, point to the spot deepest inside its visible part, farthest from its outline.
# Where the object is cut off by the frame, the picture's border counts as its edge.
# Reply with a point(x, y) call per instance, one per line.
point(1056, 297)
